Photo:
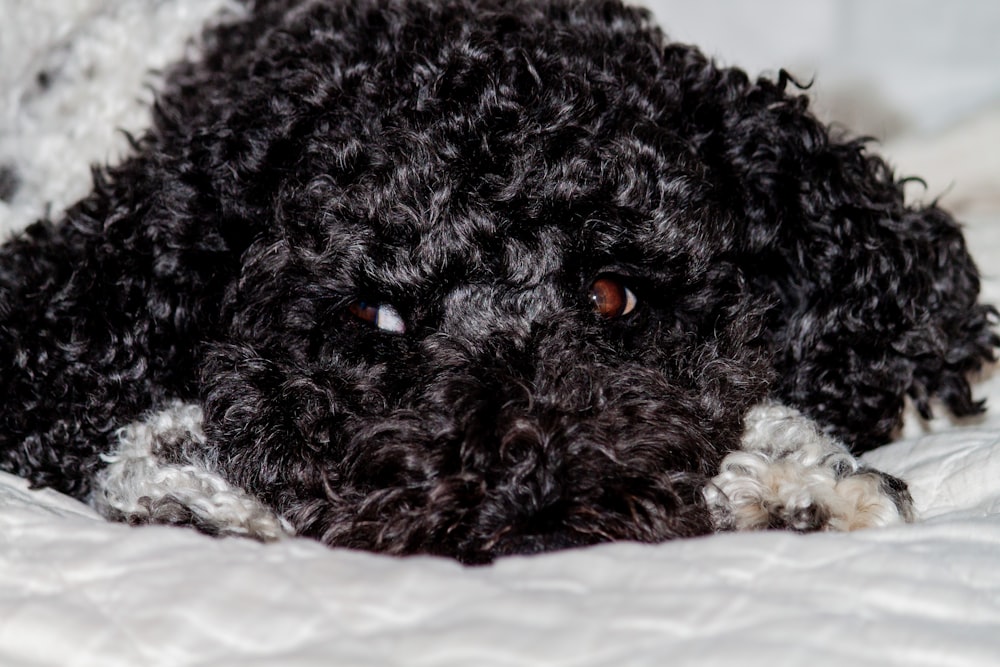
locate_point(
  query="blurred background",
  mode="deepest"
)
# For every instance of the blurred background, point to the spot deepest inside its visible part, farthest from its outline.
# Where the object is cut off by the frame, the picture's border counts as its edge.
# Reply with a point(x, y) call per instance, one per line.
point(921, 76)
point(901, 64)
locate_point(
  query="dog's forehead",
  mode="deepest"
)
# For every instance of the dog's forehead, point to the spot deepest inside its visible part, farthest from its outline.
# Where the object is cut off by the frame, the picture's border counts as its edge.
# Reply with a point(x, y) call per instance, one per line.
point(418, 247)
point(422, 214)
point(496, 150)
point(447, 258)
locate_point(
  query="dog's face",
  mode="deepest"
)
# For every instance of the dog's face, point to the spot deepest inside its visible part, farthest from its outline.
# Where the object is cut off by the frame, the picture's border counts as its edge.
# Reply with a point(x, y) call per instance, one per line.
point(439, 368)
point(509, 275)
point(494, 309)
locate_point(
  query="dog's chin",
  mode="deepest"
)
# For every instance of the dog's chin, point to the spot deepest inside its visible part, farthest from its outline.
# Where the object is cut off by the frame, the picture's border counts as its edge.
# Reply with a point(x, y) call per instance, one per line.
point(530, 544)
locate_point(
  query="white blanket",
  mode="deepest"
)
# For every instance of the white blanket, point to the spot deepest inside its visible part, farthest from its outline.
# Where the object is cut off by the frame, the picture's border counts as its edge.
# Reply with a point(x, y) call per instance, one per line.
point(76, 591)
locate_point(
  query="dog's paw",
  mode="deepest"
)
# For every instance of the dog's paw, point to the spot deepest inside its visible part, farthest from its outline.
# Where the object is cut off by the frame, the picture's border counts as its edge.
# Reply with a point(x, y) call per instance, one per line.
point(789, 475)
point(160, 474)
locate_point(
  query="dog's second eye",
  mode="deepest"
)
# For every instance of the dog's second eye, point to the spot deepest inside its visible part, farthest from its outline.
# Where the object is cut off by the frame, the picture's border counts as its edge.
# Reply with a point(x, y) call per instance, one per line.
point(611, 299)
point(382, 316)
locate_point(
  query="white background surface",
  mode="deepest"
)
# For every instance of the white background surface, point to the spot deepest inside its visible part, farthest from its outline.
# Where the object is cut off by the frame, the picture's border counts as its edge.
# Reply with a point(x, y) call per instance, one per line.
point(922, 65)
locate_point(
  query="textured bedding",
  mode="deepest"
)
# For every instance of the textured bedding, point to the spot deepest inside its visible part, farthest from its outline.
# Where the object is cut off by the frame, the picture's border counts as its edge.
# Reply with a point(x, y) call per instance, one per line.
point(75, 590)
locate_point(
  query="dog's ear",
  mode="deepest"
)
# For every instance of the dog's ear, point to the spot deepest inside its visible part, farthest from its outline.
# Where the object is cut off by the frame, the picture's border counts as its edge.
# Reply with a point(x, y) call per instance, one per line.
point(874, 299)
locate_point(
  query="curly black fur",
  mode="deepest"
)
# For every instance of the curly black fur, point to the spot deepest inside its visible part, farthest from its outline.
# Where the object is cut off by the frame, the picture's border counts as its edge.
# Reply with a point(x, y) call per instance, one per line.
point(477, 164)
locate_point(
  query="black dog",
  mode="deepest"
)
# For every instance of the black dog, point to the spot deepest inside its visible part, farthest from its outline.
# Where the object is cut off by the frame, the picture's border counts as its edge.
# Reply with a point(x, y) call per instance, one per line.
point(473, 277)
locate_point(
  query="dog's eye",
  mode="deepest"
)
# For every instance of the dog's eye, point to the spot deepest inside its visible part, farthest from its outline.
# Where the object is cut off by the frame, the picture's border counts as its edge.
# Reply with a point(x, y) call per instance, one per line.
point(382, 316)
point(611, 299)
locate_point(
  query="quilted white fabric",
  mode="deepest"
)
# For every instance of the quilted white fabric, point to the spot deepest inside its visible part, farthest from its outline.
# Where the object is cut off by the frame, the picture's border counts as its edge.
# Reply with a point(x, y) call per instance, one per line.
point(76, 591)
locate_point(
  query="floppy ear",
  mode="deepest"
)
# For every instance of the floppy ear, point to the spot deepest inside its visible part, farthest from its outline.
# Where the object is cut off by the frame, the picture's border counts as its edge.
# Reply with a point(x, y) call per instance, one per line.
point(874, 300)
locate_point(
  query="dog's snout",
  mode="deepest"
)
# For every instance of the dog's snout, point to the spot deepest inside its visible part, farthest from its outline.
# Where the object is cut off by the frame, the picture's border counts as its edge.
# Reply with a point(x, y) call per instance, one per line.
point(547, 440)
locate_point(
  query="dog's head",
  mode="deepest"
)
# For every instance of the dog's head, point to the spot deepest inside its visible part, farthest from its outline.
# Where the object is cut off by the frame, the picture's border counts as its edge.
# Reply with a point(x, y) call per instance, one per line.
point(505, 276)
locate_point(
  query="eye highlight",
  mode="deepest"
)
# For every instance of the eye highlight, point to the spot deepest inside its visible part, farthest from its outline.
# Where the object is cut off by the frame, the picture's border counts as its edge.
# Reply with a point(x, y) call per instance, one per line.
point(610, 298)
point(382, 316)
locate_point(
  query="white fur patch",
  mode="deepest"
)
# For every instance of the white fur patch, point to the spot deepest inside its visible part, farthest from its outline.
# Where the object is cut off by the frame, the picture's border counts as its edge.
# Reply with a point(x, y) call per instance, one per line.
point(788, 474)
point(162, 473)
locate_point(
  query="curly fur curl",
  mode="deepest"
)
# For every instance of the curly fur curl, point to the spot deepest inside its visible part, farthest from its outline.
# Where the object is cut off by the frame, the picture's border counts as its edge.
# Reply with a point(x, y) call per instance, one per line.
point(477, 164)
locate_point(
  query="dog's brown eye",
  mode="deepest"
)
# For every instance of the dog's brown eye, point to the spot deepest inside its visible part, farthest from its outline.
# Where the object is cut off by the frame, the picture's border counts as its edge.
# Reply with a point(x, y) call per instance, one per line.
point(611, 299)
point(382, 316)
